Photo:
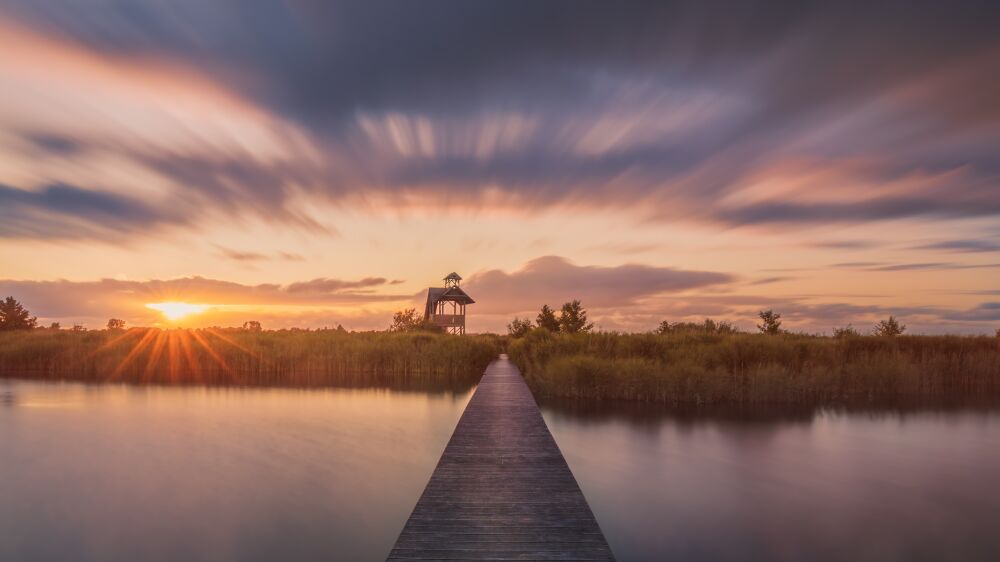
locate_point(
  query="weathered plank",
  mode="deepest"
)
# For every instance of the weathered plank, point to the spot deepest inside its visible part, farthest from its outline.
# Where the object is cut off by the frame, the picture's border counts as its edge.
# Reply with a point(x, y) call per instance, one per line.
point(502, 490)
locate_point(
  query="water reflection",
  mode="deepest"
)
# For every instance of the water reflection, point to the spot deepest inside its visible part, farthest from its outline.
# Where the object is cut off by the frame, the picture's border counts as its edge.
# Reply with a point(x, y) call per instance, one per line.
point(643, 414)
point(899, 484)
point(124, 473)
point(109, 472)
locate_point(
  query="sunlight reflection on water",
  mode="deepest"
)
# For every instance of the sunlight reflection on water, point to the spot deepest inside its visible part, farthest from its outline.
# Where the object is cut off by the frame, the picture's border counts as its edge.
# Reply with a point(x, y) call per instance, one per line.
point(122, 473)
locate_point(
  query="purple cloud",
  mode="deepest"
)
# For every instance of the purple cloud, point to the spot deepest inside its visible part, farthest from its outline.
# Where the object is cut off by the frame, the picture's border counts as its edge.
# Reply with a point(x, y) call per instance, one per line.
point(553, 280)
point(669, 107)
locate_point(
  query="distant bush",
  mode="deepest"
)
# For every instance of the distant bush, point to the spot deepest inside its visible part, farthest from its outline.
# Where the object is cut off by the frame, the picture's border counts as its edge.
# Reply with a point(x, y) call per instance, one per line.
point(709, 326)
point(519, 328)
point(409, 321)
point(846, 332)
point(770, 322)
point(547, 320)
point(573, 318)
point(13, 316)
point(888, 328)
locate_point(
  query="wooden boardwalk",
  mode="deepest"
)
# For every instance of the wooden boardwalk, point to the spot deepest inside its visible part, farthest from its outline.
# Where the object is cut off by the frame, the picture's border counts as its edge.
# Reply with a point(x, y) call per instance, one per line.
point(502, 490)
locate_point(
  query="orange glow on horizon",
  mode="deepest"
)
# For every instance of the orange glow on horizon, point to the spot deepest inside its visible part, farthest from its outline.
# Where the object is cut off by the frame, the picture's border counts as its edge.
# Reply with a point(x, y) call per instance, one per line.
point(176, 310)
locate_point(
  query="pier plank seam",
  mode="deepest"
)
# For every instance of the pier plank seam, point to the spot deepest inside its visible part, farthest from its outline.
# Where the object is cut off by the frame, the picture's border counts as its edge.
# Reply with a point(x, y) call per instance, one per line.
point(502, 489)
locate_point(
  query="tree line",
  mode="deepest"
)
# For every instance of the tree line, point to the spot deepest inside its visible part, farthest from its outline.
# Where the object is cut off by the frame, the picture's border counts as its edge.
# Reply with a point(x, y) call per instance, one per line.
point(571, 319)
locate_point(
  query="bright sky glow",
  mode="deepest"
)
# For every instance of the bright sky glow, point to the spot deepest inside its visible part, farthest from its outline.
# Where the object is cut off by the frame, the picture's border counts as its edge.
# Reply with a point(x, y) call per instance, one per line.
point(177, 310)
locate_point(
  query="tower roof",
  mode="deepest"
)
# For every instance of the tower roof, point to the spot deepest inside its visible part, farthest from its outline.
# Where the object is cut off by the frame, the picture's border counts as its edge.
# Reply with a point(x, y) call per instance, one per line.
point(452, 276)
point(435, 294)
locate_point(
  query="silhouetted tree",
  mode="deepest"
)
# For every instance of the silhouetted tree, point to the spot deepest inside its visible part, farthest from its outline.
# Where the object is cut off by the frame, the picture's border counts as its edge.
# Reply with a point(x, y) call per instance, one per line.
point(55, 326)
point(847, 331)
point(573, 318)
point(79, 328)
point(13, 316)
point(340, 329)
point(770, 322)
point(116, 324)
point(547, 319)
point(405, 320)
point(252, 326)
point(998, 332)
point(888, 328)
point(519, 327)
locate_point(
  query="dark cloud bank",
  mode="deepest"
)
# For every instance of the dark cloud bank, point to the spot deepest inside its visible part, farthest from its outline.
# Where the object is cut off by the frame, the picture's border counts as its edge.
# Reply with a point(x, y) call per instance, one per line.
point(672, 103)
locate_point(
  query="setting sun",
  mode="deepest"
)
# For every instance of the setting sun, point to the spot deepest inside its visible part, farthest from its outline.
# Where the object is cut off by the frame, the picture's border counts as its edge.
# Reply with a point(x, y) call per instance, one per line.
point(177, 310)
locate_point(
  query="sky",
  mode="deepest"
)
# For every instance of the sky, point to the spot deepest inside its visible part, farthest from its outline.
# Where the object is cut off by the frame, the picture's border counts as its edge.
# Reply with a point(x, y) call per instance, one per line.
point(314, 163)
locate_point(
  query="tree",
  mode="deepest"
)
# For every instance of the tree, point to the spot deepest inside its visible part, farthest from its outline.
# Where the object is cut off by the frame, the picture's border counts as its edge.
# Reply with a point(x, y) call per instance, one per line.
point(252, 326)
point(79, 328)
point(847, 331)
point(55, 326)
point(770, 322)
point(116, 324)
point(547, 319)
point(340, 329)
point(13, 316)
point(573, 318)
point(888, 328)
point(998, 332)
point(405, 321)
point(519, 327)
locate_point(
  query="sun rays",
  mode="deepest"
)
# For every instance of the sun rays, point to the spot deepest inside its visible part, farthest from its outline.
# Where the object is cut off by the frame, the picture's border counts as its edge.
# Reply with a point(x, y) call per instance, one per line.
point(181, 354)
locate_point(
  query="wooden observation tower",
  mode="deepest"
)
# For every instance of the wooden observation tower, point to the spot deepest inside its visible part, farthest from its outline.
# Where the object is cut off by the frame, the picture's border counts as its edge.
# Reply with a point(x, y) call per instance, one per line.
point(446, 305)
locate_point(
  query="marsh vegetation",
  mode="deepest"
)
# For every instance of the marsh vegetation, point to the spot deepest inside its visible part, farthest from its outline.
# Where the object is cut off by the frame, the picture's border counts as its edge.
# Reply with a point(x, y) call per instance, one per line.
point(247, 357)
point(701, 367)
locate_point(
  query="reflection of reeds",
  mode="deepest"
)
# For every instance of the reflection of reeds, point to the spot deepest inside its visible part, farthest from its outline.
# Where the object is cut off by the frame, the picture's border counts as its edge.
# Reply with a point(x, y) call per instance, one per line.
point(691, 369)
point(238, 357)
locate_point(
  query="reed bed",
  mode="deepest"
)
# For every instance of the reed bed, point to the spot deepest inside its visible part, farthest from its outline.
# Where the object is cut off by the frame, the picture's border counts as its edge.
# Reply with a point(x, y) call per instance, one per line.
point(298, 358)
point(692, 369)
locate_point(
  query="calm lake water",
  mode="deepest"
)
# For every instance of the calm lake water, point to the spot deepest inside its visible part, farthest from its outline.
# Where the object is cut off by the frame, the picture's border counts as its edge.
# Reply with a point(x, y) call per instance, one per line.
point(118, 473)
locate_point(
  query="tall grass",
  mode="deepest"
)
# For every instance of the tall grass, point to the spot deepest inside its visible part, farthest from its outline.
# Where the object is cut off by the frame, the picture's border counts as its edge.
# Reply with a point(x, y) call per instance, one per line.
point(238, 357)
point(699, 369)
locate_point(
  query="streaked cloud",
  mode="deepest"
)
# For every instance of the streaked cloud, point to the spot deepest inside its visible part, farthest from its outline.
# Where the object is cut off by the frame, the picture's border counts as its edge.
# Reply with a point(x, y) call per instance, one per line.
point(66, 211)
point(974, 245)
point(984, 312)
point(918, 266)
point(770, 280)
point(679, 110)
point(253, 257)
point(708, 141)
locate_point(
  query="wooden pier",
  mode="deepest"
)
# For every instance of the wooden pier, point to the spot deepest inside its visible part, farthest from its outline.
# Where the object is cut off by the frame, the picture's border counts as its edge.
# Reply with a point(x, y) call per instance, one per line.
point(502, 490)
